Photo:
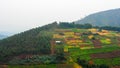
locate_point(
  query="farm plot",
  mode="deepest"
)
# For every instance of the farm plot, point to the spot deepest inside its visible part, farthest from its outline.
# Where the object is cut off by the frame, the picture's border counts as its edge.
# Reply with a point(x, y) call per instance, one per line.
point(97, 43)
point(118, 41)
point(106, 55)
point(86, 46)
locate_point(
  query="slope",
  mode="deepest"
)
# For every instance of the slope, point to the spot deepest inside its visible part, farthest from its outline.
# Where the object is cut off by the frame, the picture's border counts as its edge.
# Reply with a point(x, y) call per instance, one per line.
point(34, 41)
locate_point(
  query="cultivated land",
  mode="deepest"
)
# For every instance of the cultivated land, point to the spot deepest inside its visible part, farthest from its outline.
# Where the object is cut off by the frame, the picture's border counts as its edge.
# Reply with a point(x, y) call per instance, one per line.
point(92, 45)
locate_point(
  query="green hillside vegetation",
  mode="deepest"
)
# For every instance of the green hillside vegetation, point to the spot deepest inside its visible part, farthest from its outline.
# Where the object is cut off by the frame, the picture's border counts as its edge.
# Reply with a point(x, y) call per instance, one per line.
point(104, 18)
point(34, 41)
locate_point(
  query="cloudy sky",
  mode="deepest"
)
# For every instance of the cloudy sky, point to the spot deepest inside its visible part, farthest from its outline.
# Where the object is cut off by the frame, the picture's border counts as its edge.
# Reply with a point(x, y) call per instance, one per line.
point(20, 15)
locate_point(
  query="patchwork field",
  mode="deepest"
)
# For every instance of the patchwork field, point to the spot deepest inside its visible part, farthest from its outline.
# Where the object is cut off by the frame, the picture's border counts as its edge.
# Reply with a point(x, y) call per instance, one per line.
point(100, 47)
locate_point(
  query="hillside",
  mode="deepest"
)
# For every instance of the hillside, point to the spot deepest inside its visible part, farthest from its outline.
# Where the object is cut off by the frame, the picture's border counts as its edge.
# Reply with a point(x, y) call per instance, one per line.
point(64, 44)
point(104, 18)
point(34, 41)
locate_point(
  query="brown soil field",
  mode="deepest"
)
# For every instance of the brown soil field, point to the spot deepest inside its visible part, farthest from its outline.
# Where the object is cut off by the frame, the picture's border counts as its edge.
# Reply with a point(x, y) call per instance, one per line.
point(116, 67)
point(118, 41)
point(82, 46)
point(106, 55)
point(96, 43)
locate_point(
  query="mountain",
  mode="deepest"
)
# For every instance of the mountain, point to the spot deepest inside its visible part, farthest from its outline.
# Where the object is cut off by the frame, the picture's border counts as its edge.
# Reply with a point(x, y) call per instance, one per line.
point(104, 18)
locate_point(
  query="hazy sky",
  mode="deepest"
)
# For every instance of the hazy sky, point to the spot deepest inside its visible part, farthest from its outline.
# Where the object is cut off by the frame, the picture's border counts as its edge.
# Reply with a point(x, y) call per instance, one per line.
point(21, 15)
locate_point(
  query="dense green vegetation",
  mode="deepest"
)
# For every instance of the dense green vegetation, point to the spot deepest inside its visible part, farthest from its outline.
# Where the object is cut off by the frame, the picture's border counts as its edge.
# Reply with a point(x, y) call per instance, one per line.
point(34, 41)
point(37, 59)
point(110, 28)
point(73, 25)
point(86, 64)
point(87, 26)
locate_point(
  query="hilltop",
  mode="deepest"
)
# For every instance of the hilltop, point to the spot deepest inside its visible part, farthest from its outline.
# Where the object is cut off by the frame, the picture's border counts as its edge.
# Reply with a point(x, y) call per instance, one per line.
point(104, 18)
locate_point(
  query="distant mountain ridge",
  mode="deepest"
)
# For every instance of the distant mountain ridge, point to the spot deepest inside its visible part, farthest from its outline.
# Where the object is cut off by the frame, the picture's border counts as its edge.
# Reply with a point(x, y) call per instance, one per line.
point(5, 34)
point(2, 36)
point(104, 18)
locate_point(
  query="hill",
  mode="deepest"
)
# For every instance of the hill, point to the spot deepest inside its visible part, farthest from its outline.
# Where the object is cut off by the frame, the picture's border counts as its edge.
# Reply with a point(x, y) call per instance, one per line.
point(104, 18)
point(64, 43)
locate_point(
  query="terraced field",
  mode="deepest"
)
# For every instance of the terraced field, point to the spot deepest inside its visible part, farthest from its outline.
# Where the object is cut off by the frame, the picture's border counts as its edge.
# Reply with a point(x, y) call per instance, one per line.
point(98, 47)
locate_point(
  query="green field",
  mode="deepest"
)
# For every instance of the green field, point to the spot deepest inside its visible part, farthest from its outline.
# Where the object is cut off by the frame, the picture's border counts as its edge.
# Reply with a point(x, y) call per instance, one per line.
point(85, 55)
